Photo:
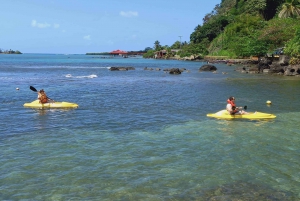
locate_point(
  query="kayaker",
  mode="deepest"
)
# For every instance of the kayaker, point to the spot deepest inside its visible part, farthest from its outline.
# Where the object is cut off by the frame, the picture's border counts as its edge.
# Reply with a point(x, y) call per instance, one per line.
point(42, 96)
point(231, 107)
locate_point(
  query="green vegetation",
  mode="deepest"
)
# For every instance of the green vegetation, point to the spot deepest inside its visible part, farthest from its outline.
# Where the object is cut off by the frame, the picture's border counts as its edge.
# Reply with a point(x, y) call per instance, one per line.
point(97, 53)
point(244, 28)
point(9, 51)
point(293, 48)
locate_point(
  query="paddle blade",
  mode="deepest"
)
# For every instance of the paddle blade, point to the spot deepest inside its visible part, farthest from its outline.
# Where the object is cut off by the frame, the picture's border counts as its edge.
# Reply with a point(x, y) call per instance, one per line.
point(245, 107)
point(33, 89)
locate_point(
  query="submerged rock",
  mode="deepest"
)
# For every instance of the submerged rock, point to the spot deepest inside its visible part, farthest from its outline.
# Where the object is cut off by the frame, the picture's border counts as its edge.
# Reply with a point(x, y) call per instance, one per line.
point(175, 71)
point(208, 67)
point(121, 68)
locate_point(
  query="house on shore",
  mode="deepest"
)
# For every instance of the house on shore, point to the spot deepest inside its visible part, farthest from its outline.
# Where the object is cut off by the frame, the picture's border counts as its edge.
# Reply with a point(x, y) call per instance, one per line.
point(119, 53)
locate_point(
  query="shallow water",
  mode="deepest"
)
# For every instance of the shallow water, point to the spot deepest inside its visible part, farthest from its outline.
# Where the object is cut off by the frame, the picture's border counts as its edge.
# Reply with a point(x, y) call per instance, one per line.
point(144, 135)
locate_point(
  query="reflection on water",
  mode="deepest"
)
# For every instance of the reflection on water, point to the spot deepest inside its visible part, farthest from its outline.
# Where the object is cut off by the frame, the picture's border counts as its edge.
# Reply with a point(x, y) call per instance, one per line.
point(44, 111)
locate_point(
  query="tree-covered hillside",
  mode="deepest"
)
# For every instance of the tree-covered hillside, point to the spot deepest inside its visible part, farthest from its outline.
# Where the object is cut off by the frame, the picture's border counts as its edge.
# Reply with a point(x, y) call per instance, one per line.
point(241, 28)
point(244, 28)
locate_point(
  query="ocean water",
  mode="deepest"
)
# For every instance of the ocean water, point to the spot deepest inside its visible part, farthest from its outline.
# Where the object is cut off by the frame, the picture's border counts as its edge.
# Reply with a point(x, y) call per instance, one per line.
point(144, 135)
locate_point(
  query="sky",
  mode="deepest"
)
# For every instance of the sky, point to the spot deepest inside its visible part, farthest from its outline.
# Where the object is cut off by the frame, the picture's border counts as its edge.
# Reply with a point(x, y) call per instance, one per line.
point(82, 26)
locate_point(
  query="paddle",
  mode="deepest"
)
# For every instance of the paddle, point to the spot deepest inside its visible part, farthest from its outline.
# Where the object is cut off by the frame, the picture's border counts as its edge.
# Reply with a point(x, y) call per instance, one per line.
point(245, 107)
point(34, 89)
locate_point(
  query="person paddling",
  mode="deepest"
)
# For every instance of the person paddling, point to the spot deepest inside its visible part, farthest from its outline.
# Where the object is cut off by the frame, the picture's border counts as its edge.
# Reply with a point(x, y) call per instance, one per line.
point(42, 96)
point(231, 107)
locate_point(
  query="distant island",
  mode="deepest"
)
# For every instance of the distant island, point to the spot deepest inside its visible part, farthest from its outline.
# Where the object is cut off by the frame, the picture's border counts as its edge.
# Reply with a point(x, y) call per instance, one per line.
point(97, 53)
point(9, 51)
point(117, 52)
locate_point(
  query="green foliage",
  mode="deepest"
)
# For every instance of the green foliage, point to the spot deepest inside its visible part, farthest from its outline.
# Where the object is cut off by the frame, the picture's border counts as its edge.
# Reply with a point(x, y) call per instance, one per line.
point(240, 38)
point(255, 7)
point(147, 48)
point(169, 53)
point(290, 8)
point(250, 34)
point(249, 46)
point(157, 46)
point(193, 49)
point(293, 46)
point(243, 28)
point(245, 25)
point(278, 31)
point(149, 54)
point(209, 30)
point(176, 45)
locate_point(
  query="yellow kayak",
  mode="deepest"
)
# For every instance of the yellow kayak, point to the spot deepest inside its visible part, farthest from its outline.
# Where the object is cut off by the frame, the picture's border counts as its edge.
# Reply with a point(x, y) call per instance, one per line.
point(224, 114)
point(37, 104)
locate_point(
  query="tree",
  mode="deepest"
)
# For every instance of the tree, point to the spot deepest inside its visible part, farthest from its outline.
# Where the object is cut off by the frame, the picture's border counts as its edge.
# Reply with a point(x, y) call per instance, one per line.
point(290, 8)
point(278, 31)
point(157, 45)
point(147, 48)
point(149, 54)
point(293, 46)
point(176, 45)
point(209, 30)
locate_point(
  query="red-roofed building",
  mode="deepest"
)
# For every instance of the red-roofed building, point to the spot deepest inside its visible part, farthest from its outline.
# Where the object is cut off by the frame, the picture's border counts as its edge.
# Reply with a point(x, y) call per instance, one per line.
point(118, 52)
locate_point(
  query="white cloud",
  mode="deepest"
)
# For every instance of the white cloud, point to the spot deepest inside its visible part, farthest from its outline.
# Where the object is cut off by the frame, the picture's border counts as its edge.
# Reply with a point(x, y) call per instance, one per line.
point(56, 26)
point(87, 37)
point(129, 14)
point(34, 23)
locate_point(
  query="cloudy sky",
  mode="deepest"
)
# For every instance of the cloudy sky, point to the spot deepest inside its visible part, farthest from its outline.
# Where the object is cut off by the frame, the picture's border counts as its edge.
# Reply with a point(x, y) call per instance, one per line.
point(81, 26)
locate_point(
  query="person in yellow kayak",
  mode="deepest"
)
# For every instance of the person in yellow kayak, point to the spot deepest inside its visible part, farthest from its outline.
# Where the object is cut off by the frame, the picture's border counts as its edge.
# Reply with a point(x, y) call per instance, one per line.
point(231, 107)
point(42, 96)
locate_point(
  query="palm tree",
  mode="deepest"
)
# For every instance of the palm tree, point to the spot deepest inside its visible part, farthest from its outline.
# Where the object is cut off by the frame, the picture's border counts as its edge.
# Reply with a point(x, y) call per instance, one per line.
point(290, 8)
point(157, 45)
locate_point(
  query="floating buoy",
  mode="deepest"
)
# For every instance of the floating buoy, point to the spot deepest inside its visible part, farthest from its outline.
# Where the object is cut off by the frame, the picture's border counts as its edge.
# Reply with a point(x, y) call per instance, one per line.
point(17, 88)
point(269, 102)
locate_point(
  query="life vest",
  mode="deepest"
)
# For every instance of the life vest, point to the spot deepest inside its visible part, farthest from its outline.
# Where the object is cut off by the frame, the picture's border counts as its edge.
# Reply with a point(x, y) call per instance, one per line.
point(43, 97)
point(231, 103)
point(234, 110)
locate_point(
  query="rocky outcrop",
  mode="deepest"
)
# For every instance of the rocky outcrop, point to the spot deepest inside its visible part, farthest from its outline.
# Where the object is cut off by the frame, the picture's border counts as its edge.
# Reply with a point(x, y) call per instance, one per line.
point(208, 67)
point(175, 71)
point(284, 60)
point(275, 67)
point(268, 65)
point(192, 58)
point(292, 70)
point(121, 68)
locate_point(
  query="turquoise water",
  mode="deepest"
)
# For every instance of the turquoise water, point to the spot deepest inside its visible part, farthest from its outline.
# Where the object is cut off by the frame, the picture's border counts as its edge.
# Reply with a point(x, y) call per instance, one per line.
point(144, 135)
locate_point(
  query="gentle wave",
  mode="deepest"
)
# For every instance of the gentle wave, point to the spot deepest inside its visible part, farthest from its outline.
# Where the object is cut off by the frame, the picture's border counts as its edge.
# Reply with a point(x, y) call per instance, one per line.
point(87, 76)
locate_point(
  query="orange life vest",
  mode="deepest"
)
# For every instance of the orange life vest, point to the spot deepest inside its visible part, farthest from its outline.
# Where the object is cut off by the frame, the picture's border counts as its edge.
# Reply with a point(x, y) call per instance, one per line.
point(43, 97)
point(231, 103)
point(233, 106)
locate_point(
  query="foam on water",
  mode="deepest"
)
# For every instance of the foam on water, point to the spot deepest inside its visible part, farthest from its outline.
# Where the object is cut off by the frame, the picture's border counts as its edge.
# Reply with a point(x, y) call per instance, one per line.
point(88, 76)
